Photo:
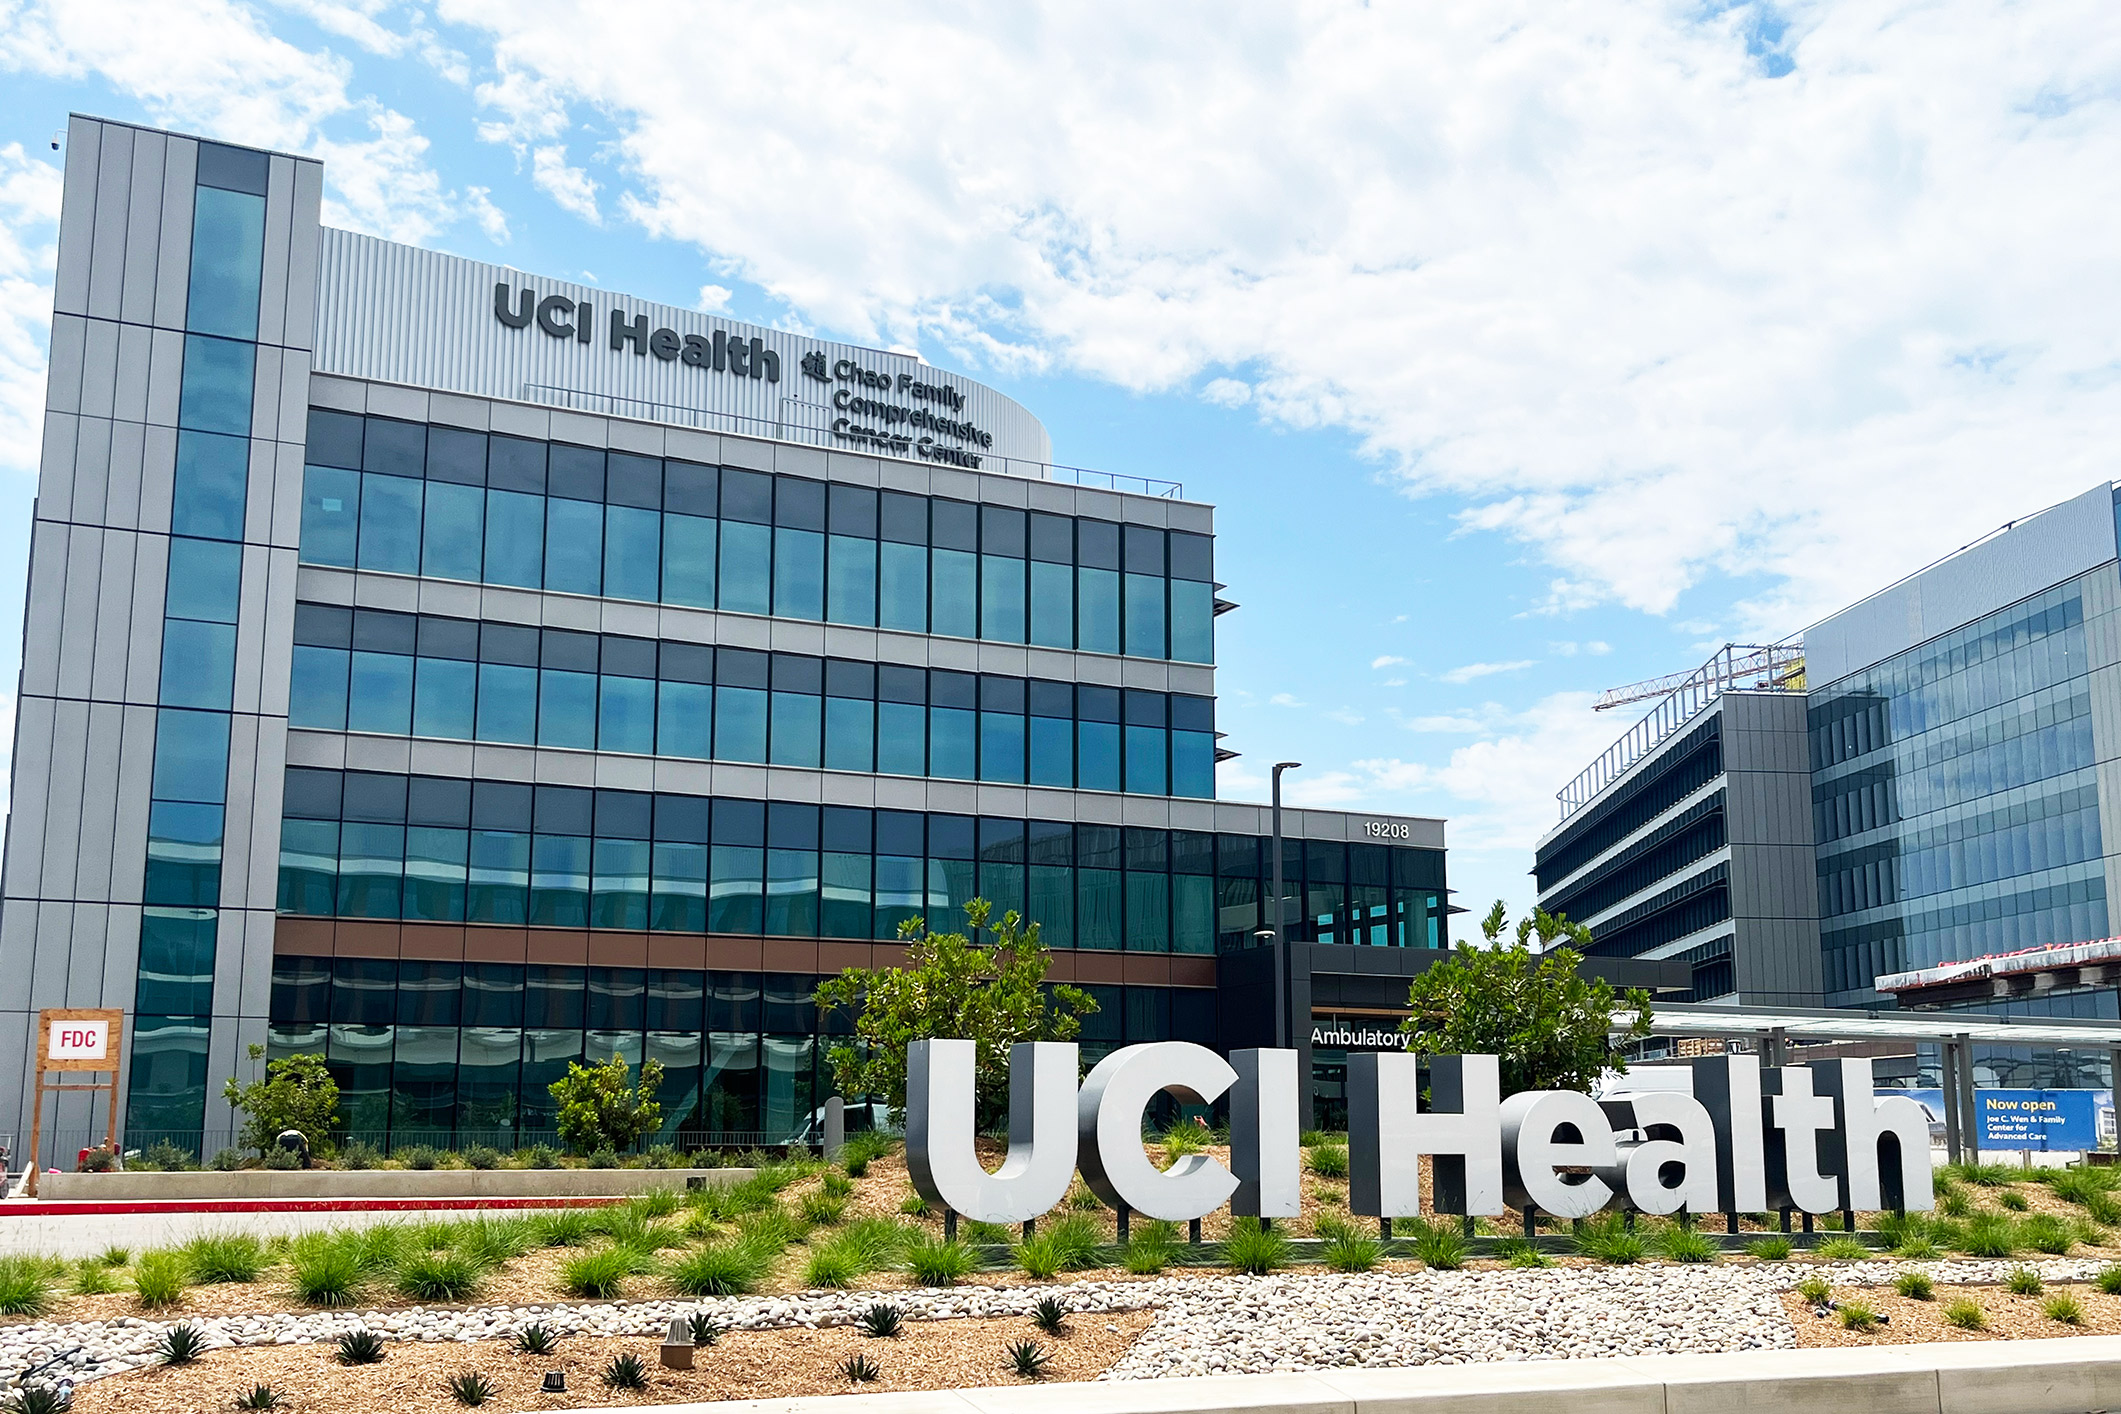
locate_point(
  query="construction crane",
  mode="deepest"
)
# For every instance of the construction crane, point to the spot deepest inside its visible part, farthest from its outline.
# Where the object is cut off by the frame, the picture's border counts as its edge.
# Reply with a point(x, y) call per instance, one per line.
point(1775, 667)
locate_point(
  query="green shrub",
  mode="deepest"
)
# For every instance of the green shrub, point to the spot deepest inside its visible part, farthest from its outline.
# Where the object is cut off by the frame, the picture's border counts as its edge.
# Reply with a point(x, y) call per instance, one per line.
point(837, 1184)
point(226, 1161)
point(1029, 1359)
point(2064, 1308)
point(564, 1227)
point(1039, 1257)
point(438, 1276)
point(362, 1347)
point(1769, 1249)
point(25, 1286)
point(603, 1108)
point(1989, 1235)
point(483, 1157)
point(1954, 1204)
point(1842, 1249)
point(1350, 1254)
point(1815, 1290)
point(1254, 1249)
point(1522, 1252)
point(93, 1278)
point(606, 1158)
point(822, 1209)
point(1966, 1313)
point(1327, 1160)
point(727, 1269)
point(540, 1156)
point(914, 1206)
point(420, 1158)
point(359, 1154)
point(1082, 1200)
point(1856, 1316)
point(329, 1273)
point(1915, 1286)
point(225, 1257)
point(181, 1344)
point(2012, 1199)
point(2022, 1281)
point(469, 1387)
point(863, 1149)
point(1682, 1244)
point(1607, 1239)
point(626, 1371)
point(491, 1241)
point(599, 1275)
point(663, 1156)
point(1077, 1239)
point(935, 1263)
point(2044, 1232)
point(832, 1267)
point(296, 1092)
point(160, 1278)
point(166, 1157)
point(2109, 1280)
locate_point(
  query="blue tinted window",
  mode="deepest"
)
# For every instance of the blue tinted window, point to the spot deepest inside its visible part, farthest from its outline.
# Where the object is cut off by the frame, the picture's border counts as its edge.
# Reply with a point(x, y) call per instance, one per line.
point(736, 889)
point(317, 688)
point(1002, 598)
point(1192, 621)
point(954, 601)
point(331, 506)
point(798, 574)
point(632, 551)
point(183, 854)
point(950, 743)
point(1193, 764)
point(390, 523)
point(1097, 622)
point(567, 709)
point(1145, 615)
point(508, 703)
point(198, 664)
point(903, 576)
point(574, 546)
point(499, 877)
point(747, 560)
point(212, 480)
point(456, 531)
point(216, 390)
point(191, 756)
point(515, 539)
point(1145, 760)
point(626, 715)
point(850, 735)
point(445, 692)
point(1052, 751)
point(559, 881)
point(1052, 605)
point(1001, 747)
point(227, 261)
point(796, 726)
point(739, 724)
point(176, 961)
point(688, 561)
point(852, 581)
point(901, 738)
point(1097, 756)
point(678, 902)
point(381, 697)
point(684, 719)
point(205, 579)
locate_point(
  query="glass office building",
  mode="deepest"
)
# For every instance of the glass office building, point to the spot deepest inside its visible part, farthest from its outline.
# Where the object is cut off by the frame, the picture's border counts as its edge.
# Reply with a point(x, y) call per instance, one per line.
point(458, 674)
point(1948, 746)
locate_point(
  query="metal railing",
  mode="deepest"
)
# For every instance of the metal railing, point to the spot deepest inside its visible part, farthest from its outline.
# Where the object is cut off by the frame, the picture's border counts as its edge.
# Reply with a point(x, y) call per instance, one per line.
point(1766, 668)
point(794, 425)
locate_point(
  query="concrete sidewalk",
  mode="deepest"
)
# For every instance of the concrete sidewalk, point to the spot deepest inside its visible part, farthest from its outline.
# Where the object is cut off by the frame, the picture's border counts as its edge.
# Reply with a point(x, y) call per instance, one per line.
point(2070, 1376)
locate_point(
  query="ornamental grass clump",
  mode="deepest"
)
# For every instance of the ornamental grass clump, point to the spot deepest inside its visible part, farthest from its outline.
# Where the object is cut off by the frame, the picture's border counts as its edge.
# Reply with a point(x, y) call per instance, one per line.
point(1608, 1240)
point(160, 1277)
point(1327, 1160)
point(1038, 1257)
point(25, 1286)
point(1253, 1249)
point(1150, 1247)
point(1856, 1316)
point(599, 1275)
point(1440, 1245)
point(2108, 1280)
point(1683, 1244)
point(863, 1149)
point(1842, 1249)
point(938, 1263)
point(1522, 1252)
point(2064, 1308)
point(328, 1272)
point(1351, 1253)
point(1915, 1286)
point(1966, 1313)
point(1815, 1291)
point(2044, 1232)
point(2012, 1199)
point(225, 1257)
point(92, 1278)
point(1077, 1239)
point(438, 1276)
point(2022, 1281)
point(1769, 1249)
point(1989, 1235)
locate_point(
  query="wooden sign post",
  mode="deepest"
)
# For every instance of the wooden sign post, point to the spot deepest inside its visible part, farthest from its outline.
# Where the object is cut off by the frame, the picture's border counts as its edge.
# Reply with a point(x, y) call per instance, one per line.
point(75, 1040)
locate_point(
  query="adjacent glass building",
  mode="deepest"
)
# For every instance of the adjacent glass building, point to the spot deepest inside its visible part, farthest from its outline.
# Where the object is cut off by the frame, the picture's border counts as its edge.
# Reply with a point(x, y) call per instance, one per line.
point(459, 673)
point(1943, 756)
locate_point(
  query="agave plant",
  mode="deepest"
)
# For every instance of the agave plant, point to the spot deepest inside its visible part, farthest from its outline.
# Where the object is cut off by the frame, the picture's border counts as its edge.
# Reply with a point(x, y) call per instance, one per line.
point(471, 1387)
point(860, 1369)
point(41, 1399)
point(626, 1371)
point(362, 1347)
point(882, 1321)
point(704, 1330)
point(535, 1339)
point(1049, 1315)
point(260, 1397)
point(182, 1344)
point(1029, 1359)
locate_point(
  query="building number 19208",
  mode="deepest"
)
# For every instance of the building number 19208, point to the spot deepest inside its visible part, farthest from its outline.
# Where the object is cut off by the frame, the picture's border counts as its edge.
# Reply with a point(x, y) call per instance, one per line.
point(1382, 830)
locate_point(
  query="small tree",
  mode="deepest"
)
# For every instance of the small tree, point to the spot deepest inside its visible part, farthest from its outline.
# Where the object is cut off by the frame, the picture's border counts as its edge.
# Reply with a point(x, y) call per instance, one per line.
point(296, 1093)
point(1552, 1028)
point(951, 988)
point(601, 1107)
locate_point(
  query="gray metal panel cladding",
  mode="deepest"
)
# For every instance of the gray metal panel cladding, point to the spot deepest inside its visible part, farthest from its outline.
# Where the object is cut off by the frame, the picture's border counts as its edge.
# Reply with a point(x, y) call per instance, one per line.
point(2037, 553)
point(399, 314)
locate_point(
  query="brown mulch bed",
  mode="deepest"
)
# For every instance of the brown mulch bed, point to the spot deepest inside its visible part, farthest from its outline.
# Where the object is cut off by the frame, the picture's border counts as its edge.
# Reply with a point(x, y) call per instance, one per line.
point(952, 1354)
point(1912, 1322)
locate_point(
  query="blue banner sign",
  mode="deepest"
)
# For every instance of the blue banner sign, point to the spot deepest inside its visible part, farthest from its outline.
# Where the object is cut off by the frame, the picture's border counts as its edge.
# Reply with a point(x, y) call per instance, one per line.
point(2037, 1119)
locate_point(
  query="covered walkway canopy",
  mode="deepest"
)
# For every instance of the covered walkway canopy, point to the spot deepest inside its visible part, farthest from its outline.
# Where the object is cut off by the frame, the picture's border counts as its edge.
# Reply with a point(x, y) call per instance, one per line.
point(1955, 1032)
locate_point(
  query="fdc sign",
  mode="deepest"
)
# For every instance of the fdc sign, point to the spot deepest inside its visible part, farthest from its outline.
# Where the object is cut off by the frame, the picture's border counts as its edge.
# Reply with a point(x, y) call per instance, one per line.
point(1811, 1137)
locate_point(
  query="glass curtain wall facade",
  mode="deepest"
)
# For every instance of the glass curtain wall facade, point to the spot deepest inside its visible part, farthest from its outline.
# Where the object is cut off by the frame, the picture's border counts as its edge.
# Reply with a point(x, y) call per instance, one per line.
point(179, 919)
point(1955, 797)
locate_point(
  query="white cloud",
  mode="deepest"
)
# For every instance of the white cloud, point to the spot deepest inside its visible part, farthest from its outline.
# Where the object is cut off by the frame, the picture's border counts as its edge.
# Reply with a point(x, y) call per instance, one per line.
point(492, 220)
point(1284, 699)
point(1658, 307)
point(1388, 661)
point(1595, 648)
point(571, 187)
point(1346, 716)
point(714, 299)
point(1226, 392)
point(1469, 672)
point(29, 217)
point(214, 68)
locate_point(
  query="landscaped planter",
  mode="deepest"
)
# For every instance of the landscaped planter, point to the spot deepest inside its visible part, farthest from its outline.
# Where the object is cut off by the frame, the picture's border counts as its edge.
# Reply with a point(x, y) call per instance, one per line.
point(373, 1183)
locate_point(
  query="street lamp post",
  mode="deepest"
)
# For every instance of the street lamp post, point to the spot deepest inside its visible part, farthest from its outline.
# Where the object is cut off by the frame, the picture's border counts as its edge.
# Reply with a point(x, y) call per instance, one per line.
point(1283, 1027)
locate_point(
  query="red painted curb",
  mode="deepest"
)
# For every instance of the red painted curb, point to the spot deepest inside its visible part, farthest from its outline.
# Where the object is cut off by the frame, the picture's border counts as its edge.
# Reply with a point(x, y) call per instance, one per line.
point(40, 1208)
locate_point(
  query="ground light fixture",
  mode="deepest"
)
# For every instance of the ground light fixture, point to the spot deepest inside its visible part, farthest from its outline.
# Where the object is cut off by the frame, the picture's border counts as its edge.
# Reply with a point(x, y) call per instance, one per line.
point(555, 1382)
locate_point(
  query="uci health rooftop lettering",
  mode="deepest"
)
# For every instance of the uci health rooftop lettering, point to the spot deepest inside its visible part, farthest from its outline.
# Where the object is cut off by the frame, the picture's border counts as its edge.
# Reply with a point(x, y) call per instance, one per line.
point(457, 672)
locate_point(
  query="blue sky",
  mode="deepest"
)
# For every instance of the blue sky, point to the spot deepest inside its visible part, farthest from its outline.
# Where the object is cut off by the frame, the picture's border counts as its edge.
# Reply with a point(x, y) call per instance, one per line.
point(1524, 352)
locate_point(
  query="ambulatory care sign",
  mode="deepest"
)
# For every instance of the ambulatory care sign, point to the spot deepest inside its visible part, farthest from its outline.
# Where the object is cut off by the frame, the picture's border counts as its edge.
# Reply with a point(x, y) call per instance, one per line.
point(1813, 1137)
